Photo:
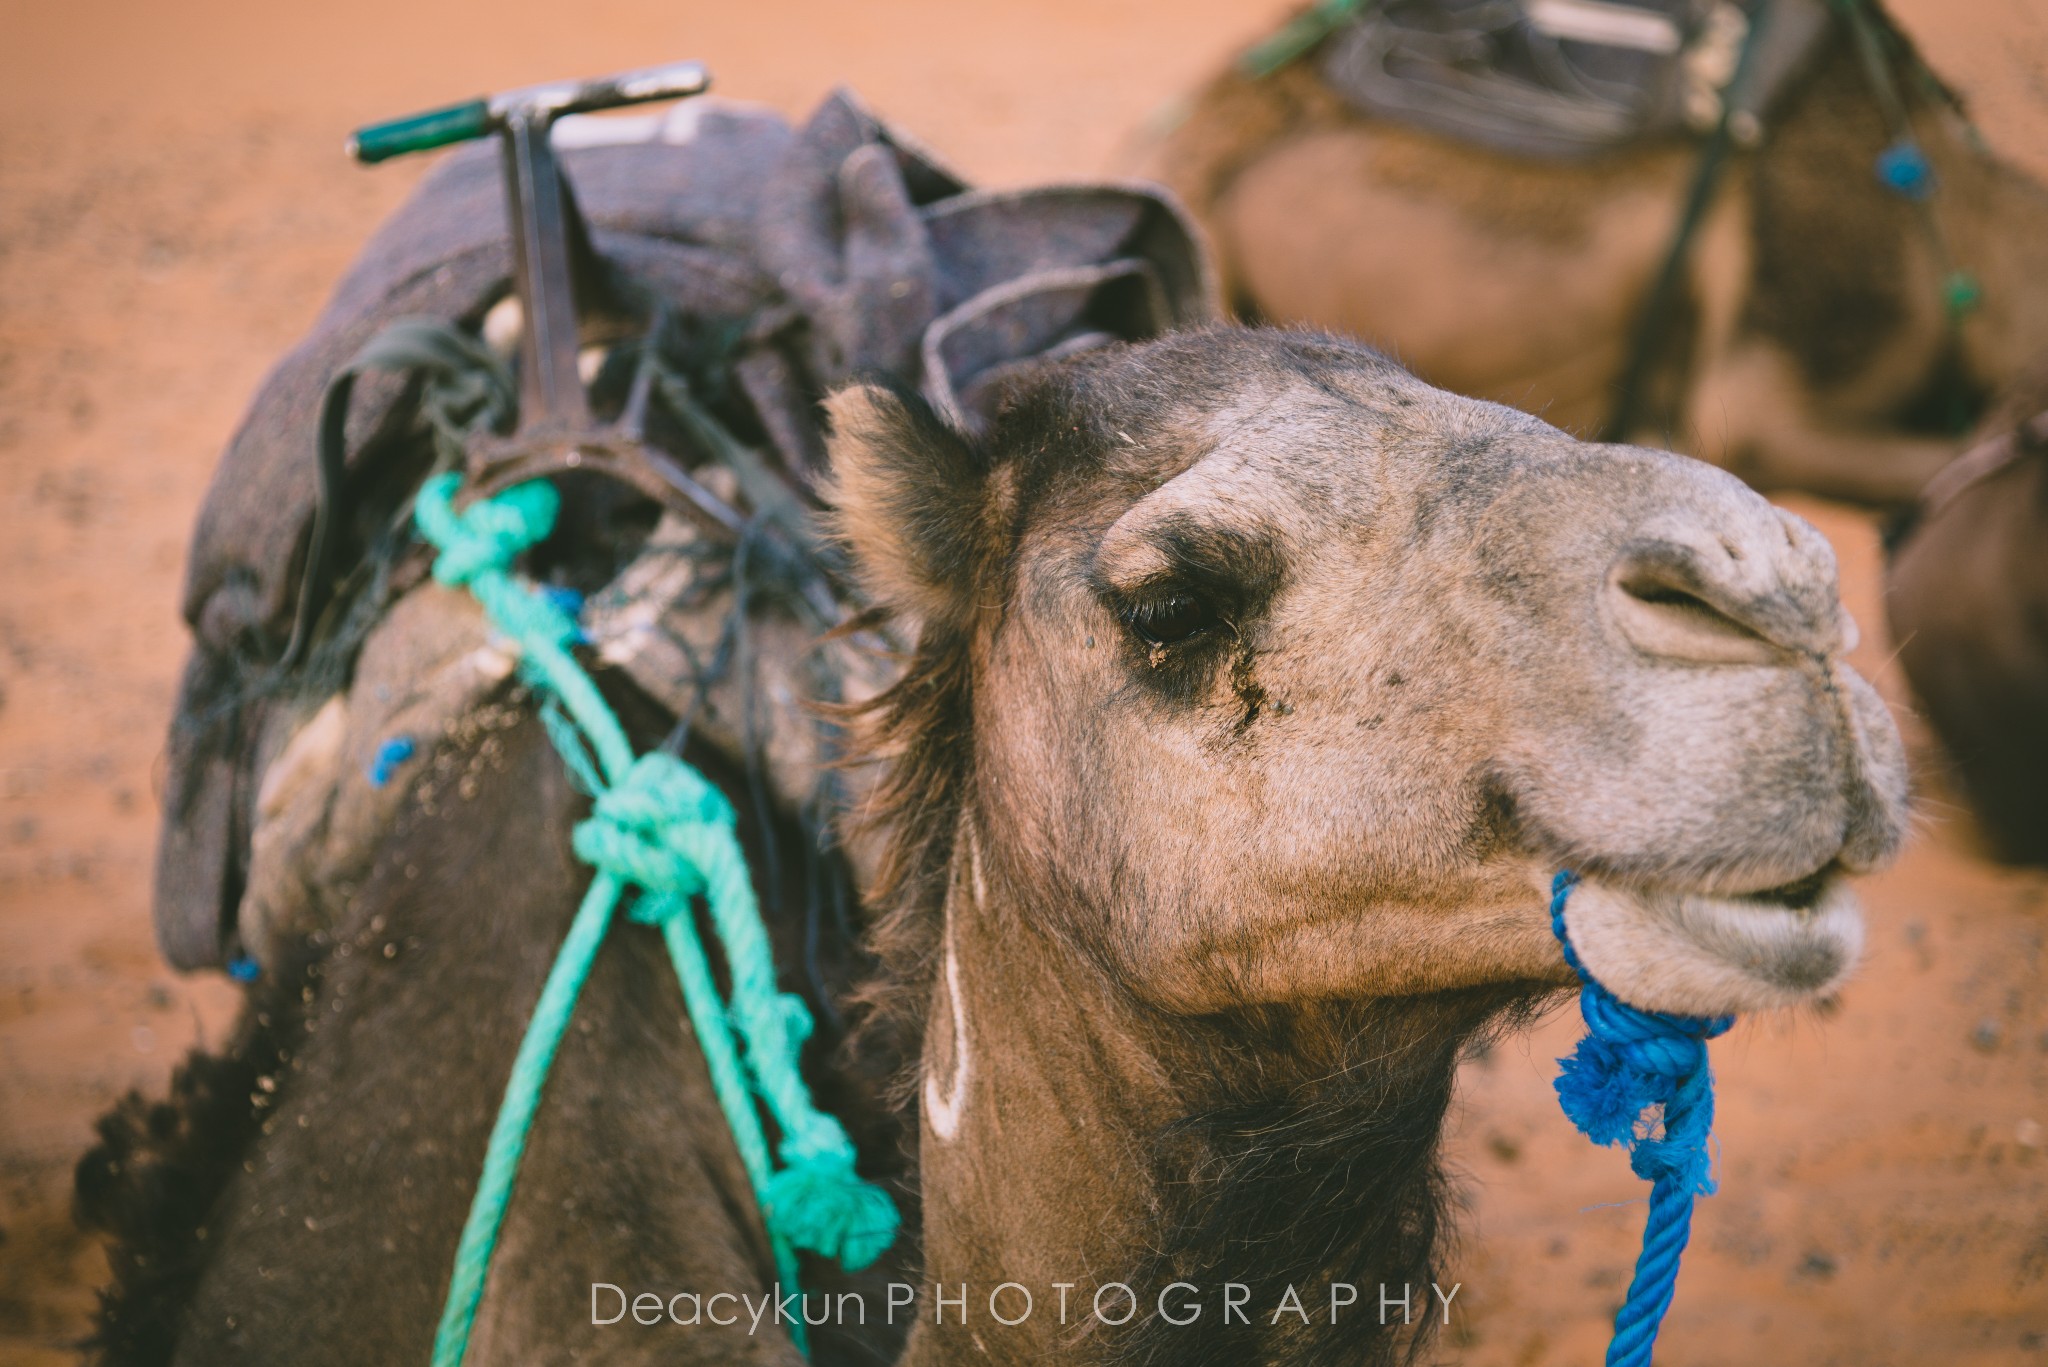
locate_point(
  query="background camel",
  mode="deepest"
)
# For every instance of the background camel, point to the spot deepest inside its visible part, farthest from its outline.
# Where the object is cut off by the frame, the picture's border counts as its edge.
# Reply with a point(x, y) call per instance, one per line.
point(1967, 596)
point(175, 215)
point(1809, 346)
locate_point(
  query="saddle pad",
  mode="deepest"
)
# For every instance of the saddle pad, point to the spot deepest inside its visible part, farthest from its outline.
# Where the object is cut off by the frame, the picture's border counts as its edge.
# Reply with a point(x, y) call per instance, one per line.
point(1564, 79)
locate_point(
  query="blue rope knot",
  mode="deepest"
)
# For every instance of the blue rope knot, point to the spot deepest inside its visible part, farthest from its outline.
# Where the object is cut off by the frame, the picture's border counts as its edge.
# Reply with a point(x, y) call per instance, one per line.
point(389, 756)
point(1641, 1079)
point(1631, 1062)
point(1904, 170)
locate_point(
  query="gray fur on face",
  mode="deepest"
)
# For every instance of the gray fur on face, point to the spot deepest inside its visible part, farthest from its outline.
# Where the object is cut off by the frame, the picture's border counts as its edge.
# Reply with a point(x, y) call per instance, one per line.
point(1452, 650)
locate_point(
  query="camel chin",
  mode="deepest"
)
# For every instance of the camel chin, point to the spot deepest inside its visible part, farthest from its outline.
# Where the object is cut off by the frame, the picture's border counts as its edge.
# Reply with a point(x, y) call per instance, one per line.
point(1710, 954)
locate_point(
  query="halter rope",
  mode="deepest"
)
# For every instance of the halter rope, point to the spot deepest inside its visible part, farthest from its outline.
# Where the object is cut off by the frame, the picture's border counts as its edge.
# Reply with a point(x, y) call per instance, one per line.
point(660, 826)
point(1629, 1061)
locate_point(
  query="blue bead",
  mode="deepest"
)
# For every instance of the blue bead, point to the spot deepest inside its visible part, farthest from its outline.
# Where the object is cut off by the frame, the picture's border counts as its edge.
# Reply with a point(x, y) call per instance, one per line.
point(244, 969)
point(1903, 168)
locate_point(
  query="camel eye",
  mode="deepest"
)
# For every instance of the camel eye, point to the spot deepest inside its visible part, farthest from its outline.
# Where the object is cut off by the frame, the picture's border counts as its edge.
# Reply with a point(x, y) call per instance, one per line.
point(1170, 618)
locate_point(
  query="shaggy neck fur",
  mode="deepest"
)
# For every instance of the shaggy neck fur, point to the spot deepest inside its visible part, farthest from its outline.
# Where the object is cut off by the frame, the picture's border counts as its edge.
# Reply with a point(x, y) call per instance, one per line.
point(1088, 1139)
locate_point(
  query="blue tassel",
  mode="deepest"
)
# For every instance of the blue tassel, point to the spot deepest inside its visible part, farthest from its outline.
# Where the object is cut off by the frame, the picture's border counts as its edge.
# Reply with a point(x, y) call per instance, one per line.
point(1640, 1079)
point(1600, 1093)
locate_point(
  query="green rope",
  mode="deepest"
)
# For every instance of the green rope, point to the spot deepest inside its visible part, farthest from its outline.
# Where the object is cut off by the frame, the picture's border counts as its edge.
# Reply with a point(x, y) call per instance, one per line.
point(1297, 37)
point(658, 825)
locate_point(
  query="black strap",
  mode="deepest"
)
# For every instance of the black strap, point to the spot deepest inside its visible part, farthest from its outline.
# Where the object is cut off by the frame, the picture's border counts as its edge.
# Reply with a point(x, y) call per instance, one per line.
point(468, 385)
point(1655, 315)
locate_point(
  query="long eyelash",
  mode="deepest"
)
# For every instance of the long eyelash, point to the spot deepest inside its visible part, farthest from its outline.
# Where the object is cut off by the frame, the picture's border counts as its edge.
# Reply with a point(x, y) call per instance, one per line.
point(1172, 621)
point(1147, 612)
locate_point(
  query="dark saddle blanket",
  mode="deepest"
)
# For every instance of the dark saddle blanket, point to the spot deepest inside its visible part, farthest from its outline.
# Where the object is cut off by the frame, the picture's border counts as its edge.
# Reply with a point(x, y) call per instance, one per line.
point(816, 253)
point(1567, 78)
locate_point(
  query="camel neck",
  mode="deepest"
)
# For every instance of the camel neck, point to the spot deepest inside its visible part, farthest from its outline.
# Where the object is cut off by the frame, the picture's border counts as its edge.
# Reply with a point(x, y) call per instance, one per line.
point(1106, 1159)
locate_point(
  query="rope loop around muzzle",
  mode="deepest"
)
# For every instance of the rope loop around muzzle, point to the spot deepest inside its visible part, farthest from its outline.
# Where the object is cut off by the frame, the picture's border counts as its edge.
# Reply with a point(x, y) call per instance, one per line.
point(1640, 1079)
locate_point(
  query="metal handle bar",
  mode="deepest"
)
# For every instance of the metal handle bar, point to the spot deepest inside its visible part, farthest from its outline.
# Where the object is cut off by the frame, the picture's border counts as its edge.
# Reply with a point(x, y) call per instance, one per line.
point(535, 103)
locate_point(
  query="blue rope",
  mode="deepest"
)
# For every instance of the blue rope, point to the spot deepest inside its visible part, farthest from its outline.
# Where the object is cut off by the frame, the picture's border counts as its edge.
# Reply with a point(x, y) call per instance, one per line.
point(1629, 1062)
point(658, 825)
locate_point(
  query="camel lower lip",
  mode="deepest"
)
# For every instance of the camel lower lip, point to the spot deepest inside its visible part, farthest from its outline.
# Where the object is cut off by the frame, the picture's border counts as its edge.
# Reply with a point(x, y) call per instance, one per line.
point(1768, 904)
point(1711, 953)
point(1794, 902)
point(1799, 895)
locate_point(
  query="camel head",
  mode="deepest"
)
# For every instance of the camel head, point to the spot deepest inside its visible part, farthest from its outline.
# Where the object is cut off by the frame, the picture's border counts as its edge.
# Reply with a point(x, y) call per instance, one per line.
point(1264, 672)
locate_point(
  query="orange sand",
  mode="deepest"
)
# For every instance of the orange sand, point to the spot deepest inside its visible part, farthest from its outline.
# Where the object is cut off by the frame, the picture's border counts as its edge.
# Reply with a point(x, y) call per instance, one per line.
point(173, 208)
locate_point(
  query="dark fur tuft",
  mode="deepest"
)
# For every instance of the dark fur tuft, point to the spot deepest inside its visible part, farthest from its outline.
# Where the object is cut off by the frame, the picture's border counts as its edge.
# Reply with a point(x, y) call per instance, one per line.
point(150, 1186)
point(1330, 1174)
point(921, 728)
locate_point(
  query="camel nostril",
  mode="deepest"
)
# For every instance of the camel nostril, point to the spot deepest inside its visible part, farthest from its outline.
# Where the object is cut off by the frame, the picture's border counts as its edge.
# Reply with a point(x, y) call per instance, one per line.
point(1662, 607)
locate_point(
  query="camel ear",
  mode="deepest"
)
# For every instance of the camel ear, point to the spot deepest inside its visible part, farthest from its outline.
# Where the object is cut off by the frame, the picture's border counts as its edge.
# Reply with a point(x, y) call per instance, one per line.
point(910, 496)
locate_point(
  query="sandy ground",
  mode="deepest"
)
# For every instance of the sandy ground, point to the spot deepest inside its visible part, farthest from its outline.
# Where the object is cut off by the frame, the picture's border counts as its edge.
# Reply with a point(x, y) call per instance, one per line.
point(173, 208)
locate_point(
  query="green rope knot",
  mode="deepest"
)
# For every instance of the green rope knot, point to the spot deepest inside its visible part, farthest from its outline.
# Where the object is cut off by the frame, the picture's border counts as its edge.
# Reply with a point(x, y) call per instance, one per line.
point(489, 535)
point(817, 1202)
point(478, 546)
point(666, 828)
point(655, 829)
